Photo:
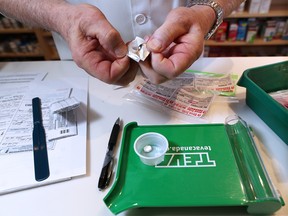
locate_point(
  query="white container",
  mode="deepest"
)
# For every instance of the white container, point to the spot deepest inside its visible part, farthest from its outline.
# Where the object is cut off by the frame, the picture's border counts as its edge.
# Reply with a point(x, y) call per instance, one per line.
point(265, 6)
point(241, 8)
point(254, 6)
point(151, 148)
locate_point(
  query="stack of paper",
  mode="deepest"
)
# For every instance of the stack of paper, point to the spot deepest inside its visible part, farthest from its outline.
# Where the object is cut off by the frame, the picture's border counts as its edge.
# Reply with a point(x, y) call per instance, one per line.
point(66, 151)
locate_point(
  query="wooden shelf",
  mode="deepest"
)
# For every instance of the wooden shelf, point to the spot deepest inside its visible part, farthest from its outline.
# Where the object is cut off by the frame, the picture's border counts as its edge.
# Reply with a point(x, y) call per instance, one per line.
point(46, 34)
point(39, 42)
point(272, 13)
point(43, 37)
point(257, 42)
point(278, 9)
point(16, 31)
point(17, 55)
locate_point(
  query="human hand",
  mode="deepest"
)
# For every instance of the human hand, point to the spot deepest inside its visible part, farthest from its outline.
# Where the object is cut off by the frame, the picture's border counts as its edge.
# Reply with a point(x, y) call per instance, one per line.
point(96, 46)
point(177, 43)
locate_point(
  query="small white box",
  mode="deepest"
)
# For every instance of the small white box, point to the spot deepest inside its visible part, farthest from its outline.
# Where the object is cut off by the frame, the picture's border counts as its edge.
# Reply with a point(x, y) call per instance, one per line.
point(241, 7)
point(254, 6)
point(265, 6)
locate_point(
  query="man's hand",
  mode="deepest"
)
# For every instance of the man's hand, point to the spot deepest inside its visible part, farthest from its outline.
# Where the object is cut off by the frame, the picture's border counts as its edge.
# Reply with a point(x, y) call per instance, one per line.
point(96, 46)
point(177, 43)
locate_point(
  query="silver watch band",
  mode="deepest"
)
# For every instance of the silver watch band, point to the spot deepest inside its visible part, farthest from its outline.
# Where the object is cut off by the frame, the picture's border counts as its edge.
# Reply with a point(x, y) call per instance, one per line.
point(217, 9)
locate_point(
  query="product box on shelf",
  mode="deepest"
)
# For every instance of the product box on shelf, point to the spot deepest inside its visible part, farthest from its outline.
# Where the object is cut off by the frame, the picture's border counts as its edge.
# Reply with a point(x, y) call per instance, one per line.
point(280, 26)
point(265, 6)
point(242, 28)
point(285, 31)
point(232, 34)
point(252, 30)
point(254, 6)
point(241, 7)
point(269, 30)
point(221, 32)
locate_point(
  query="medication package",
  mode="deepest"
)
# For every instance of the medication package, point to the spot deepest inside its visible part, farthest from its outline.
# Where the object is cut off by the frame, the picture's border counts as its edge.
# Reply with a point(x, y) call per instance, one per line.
point(188, 95)
point(281, 97)
point(137, 49)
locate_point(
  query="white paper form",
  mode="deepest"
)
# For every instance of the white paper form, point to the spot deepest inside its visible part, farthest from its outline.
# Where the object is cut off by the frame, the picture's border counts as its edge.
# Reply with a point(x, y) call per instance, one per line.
point(19, 79)
point(68, 158)
point(62, 119)
point(13, 88)
point(18, 136)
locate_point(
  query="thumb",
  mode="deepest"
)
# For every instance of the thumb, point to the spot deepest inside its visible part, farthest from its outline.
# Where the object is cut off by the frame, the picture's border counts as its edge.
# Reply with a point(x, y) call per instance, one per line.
point(173, 27)
point(163, 37)
point(112, 42)
point(109, 38)
point(159, 40)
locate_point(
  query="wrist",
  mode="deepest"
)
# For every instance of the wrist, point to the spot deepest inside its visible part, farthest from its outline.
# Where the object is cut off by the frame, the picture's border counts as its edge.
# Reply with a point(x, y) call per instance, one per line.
point(206, 11)
point(218, 14)
point(63, 11)
point(205, 16)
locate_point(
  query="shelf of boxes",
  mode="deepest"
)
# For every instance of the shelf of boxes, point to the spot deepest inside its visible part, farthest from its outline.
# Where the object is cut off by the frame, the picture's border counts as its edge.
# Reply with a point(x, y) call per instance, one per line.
point(249, 28)
point(21, 42)
point(256, 42)
point(273, 13)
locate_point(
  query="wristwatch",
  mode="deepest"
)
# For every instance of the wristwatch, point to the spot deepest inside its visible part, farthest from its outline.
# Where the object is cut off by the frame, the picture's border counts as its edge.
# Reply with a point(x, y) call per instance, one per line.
point(217, 9)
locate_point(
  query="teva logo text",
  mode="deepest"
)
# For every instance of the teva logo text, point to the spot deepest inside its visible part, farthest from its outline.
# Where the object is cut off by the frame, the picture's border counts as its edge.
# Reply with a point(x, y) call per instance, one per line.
point(188, 160)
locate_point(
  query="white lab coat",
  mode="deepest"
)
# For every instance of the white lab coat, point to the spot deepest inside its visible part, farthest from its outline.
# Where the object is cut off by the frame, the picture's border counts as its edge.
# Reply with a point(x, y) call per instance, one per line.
point(130, 17)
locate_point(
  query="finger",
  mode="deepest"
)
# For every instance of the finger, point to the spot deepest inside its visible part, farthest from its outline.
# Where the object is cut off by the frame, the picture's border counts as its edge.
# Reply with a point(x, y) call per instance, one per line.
point(98, 65)
point(130, 75)
point(107, 71)
point(178, 58)
point(98, 27)
point(112, 42)
point(175, 25)
point(149, 73)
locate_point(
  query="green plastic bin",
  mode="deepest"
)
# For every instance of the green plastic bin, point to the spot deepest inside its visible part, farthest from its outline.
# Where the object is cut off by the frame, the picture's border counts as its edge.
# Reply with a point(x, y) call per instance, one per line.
point(259, 82)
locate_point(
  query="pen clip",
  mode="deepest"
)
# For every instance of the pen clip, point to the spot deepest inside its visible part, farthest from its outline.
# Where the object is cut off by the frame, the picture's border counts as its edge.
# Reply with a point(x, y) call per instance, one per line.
point(114, 135)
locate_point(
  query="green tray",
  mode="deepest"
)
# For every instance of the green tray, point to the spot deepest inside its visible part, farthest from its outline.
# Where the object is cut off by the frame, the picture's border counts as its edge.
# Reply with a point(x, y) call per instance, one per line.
point(205, 165)
point(259, 82)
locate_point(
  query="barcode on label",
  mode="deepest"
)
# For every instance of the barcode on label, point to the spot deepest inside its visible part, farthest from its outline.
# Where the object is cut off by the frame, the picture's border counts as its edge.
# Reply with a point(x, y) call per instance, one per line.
point(64, 131)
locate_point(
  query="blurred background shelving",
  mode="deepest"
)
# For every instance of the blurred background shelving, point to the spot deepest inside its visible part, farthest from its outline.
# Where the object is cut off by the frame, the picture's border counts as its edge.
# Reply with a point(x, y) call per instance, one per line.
point(19, 42)
point(256, 28)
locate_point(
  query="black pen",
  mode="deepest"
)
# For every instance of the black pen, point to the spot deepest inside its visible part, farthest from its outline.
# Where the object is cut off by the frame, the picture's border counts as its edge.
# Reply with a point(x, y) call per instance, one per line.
point(107, 168)
point(41, 165)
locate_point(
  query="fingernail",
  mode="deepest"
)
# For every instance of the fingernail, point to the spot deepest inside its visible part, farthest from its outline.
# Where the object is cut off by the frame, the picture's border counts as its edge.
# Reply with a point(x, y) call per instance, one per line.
point(154, 44)
point(121, 51)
